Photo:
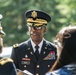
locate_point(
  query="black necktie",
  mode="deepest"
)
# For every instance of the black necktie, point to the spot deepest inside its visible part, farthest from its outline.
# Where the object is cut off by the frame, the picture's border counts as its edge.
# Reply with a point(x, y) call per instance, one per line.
point(37, 52)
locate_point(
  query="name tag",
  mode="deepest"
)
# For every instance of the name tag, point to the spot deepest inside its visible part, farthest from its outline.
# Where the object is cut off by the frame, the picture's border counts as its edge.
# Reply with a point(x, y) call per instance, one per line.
point(25, 62)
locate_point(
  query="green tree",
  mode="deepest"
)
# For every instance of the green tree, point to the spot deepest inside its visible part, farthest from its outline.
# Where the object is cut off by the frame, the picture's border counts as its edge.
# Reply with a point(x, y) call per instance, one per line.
point(13, 23)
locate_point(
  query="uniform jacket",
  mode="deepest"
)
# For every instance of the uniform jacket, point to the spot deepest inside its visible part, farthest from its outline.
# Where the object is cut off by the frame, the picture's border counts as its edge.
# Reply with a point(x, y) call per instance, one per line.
point(66, 70)
point(7, 67)
point(25, 59)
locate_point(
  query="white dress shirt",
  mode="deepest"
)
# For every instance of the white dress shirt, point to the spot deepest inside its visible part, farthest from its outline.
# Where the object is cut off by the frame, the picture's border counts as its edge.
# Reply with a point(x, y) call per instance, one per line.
point(40, 46)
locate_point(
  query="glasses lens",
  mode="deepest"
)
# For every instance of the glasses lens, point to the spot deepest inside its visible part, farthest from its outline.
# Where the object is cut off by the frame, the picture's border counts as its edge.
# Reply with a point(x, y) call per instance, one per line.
point(38, 28)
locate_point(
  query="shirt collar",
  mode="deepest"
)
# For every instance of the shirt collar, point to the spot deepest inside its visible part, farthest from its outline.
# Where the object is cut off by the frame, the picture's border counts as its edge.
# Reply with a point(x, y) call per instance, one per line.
point(40, 45)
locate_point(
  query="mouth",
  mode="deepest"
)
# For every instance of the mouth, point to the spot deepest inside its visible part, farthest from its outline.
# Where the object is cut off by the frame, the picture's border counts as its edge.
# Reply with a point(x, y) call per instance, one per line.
point(34, 34)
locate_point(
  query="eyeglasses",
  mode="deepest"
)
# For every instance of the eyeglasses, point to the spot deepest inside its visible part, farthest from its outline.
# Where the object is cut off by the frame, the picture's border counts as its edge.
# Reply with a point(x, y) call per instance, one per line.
point(36, 28)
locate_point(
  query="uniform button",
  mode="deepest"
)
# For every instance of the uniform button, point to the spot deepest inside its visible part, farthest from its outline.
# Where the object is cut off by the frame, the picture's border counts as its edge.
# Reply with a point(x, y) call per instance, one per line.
point(37, 74)
point(48, 65)
point(38, 66)
point(31, 53)
point(25, 66)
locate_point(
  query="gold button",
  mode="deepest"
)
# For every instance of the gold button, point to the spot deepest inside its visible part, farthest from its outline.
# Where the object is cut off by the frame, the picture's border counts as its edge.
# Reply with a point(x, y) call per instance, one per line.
point(48, 65)
point(44, 53)
point(38, 66)
point(25, 66)
point(37, 74)
point(45, 47)
point(28, 48)
point(31, 53)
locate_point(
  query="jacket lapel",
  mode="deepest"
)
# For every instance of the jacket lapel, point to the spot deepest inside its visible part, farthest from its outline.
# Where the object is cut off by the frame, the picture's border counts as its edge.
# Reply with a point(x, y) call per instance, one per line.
point(30, 51)
point(44, 51)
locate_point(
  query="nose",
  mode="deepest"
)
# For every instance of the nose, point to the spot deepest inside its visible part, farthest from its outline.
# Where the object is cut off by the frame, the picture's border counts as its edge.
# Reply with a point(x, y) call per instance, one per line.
point(33, 28)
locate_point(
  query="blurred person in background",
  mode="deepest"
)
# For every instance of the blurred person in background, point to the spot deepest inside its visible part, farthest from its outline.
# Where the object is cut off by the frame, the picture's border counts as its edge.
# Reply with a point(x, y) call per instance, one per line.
point(7, 66)
point(2, 33)
point(66, 47)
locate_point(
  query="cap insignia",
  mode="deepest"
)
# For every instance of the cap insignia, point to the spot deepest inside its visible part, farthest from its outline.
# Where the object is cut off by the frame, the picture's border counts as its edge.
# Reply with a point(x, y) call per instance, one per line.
point(34, 14)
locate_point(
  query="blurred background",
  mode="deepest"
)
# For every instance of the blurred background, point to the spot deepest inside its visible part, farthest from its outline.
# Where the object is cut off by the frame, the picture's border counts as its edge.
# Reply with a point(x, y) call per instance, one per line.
point(63, 12)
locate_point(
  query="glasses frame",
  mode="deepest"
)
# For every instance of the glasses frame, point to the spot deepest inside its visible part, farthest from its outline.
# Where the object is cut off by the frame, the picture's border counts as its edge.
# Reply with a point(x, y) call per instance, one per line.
point(36, 27)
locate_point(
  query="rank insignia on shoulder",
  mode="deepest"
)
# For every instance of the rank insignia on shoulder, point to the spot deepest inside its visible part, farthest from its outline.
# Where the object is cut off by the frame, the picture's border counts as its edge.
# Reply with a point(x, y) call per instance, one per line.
point(16, 45)
point(5, 60)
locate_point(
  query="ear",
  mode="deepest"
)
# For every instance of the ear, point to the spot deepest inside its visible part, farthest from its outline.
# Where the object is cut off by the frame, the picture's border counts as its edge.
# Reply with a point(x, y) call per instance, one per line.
point(45, 29)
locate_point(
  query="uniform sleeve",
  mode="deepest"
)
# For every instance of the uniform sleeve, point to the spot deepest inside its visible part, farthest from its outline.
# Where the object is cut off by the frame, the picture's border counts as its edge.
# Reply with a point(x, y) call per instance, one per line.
point(14, 57)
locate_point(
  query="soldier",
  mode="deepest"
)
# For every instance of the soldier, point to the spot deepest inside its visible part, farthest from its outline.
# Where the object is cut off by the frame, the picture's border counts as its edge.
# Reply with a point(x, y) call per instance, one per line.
point(7, 66)
point(36, 55)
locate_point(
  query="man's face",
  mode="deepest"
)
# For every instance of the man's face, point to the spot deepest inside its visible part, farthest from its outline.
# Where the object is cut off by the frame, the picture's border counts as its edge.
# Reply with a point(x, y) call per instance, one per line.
point(36, 33)
point(1, 43)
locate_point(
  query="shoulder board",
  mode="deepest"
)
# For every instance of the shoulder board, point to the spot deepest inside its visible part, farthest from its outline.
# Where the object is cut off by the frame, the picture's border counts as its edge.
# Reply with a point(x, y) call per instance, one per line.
point(5, 60)
point(15, 45)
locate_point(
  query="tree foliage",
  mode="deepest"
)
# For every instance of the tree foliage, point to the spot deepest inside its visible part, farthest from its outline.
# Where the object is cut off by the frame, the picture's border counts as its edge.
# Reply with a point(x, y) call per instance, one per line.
point(14, 24)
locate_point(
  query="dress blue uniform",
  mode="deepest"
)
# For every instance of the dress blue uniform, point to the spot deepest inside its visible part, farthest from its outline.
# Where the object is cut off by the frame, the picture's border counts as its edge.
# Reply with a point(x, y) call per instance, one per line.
point(23, 54)
point(7, 67)
point(25, 59)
